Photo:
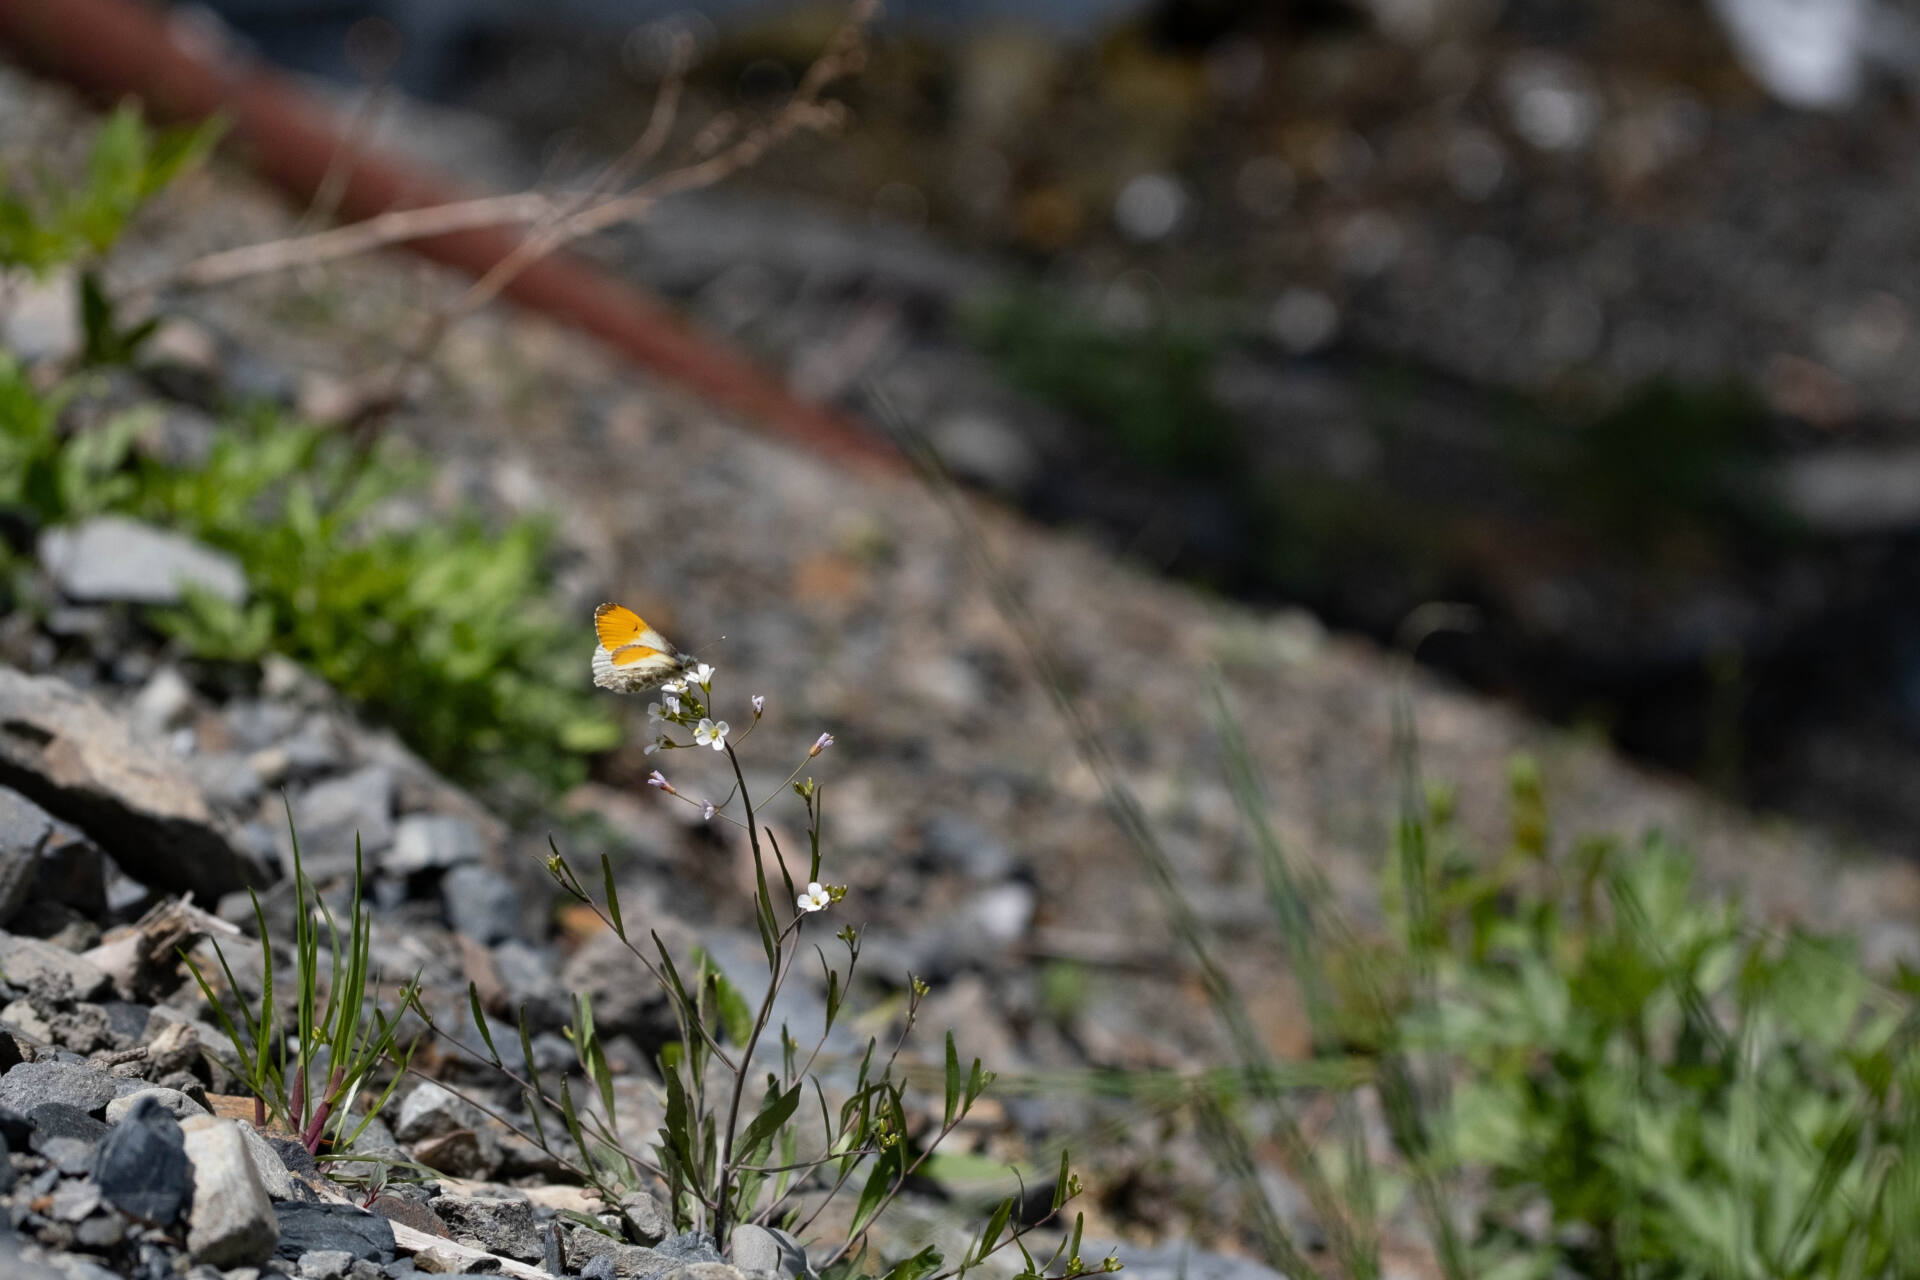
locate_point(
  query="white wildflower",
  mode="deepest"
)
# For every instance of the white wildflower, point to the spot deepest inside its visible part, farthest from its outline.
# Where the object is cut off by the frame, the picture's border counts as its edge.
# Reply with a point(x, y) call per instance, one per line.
point(759, 704)
point(707, 811)
point(816, 898)
point(702, 675)
point(820, 744)
point(711, 733)
point(658, 779)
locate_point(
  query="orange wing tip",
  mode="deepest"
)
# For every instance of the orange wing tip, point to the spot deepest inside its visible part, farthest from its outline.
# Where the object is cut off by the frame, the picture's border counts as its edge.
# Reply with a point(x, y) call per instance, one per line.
point(617, 625)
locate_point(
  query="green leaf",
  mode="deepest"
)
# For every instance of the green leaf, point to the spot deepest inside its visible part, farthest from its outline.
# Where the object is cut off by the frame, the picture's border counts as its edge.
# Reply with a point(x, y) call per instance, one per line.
point(879, 1181)
point(953, 1079)
point(613, 898)
point(736, 1016)
point(775, 1111)
point(480, 1020)
point(921, 1264)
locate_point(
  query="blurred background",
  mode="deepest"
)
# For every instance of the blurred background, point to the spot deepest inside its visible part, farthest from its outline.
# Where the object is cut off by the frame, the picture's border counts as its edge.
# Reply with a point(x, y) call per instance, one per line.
point(1596, 316)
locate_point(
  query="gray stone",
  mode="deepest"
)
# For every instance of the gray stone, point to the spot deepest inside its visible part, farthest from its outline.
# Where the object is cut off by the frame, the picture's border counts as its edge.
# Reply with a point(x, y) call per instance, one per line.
point(503, 1226)
point(174, 1102)
point(764, 1249)
point(24, 828)
point(327, 1264)
point(646, 1219)
point(309, 1226)
point(593, 1253)
point(67, 1136)
point(706, 1271)
point(480, 903)
point(529, 982)
point(162, 704)
point(464, 1153)
point(50, 974)
point(41, 320)
point(233, 1222)
point(73, 872)
point(228, 781)
point(689, 1247)
point(66, 753)
point(431, 841)
point(429, 1111)
point(268, 1167)
point(34, 1084)
point(112, 558)
point(142, 1168)
point(331, 815)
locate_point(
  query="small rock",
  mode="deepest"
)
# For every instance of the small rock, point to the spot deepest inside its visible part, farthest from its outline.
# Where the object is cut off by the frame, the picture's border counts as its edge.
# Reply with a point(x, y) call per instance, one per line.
point(646, 1220)
point(68, 1137)
point(707, 1271)
point(24, 828)
point(48, 973)
point(462, 1153)
point(233, 1221)
point(306, 1227)
point(176, 1104)
point(73, 873)
point(430, 1111)
point(85, 1089)
point(68, 754)
point(431, 841)
point(228, 781)
point(600, 1268)
point(112, 558)
point(268, 1167)
point(74, 1199)
point(408, 1213)
point(42, 318)
point(20, 1016)
point(689, 1247)
point(163, 704)
point(761, 1249)
point(480, 903)
point(595, 1253)
point(331, 815)
point(326, 1264)
point(142, 1167)
point(528, 981)
point(497, 1225)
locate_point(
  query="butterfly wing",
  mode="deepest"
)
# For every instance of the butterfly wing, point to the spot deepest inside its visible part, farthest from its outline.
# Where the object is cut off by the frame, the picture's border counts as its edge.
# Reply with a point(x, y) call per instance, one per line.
point(631, 655)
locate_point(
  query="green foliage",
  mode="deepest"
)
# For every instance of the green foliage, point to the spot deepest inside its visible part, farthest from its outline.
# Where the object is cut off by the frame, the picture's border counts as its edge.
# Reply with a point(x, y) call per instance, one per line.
point(1147, 388)
point(1690, 1094)
point(1638, 1078)
point(441, 627)
point(307, 1075)
point(55, 219)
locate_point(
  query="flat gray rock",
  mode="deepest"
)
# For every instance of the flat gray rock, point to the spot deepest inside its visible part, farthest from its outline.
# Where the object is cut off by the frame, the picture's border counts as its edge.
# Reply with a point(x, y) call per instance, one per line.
point(112, 558)
point(50, 973)
point(24, 828)
point(88, 1089)
point(68, 754)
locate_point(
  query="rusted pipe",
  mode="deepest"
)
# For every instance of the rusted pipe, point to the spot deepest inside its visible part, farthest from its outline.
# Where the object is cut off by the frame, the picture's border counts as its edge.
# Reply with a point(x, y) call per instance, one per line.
point(111, 49)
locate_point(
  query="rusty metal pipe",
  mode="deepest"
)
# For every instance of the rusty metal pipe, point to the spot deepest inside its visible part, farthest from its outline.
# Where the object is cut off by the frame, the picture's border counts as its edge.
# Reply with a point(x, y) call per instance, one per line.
point(112, 49)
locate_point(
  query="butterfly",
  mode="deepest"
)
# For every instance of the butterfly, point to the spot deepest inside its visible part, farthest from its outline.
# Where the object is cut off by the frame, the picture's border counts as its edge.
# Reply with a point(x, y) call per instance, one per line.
point(632, 656)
